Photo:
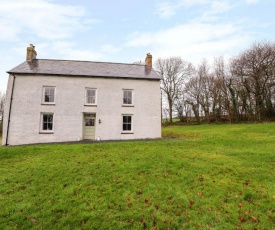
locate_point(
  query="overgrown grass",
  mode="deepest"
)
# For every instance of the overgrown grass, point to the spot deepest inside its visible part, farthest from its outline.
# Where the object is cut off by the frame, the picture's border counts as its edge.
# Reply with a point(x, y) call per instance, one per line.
point(214, 177)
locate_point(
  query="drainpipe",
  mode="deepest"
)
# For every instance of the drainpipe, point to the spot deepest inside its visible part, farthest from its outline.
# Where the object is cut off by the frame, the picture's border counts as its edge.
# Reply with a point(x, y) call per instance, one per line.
point(160, 107)
point(7, 136)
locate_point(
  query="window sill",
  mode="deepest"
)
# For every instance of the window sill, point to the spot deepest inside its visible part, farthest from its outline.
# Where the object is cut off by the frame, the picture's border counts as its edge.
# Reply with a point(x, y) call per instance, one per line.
point(44, 132)
point(43, 103)
point(90, 105)
point(127, 133)
point(128, 106)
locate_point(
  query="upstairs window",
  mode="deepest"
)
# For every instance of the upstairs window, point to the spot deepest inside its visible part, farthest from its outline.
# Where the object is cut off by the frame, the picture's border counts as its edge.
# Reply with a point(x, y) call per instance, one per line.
point(48, 95)
point(127, 97)
point(90, 96)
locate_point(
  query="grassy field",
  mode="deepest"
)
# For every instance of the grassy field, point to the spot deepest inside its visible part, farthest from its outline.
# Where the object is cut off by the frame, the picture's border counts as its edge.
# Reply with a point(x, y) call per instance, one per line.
point(208, 177)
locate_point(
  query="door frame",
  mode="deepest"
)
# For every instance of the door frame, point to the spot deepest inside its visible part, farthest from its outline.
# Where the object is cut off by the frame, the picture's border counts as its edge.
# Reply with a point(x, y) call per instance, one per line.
point(93, 115)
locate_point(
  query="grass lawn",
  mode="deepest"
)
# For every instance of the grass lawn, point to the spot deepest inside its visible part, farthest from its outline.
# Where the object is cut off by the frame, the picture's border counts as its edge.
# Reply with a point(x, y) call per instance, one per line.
point(213, 177)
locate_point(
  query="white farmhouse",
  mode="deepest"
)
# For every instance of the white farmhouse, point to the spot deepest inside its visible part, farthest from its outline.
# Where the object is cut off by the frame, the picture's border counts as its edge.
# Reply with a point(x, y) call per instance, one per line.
point(61, 100)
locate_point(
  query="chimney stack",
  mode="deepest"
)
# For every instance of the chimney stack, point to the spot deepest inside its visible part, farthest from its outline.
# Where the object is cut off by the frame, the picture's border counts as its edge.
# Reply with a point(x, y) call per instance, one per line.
point(31, 53)
point(148, 60)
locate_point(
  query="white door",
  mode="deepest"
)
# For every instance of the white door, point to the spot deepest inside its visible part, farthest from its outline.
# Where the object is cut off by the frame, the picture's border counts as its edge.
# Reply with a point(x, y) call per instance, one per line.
point(89, 126)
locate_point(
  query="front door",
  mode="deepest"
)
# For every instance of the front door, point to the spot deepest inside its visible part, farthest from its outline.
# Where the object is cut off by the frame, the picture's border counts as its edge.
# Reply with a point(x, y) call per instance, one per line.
point(89, 126)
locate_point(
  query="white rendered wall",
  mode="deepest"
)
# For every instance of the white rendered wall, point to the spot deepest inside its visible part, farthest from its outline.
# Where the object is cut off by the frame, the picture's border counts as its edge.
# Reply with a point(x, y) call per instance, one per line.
point(69, 108)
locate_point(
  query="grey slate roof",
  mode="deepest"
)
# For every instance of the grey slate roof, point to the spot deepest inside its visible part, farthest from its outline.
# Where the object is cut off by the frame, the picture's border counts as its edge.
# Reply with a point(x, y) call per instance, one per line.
point(85, 68)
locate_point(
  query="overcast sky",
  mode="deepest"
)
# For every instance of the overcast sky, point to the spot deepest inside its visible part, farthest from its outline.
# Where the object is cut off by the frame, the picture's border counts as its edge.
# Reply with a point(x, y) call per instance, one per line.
point(124, 30)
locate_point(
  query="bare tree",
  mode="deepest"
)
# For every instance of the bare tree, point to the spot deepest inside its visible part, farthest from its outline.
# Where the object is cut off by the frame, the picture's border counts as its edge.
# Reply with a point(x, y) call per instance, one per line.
point(255, 68)
point(205, 80)
point(221, 93)
point(165, 114)
point(2, 100)
point(242, 90)
point(192, 90)
point(182, 107)
point(173, 71)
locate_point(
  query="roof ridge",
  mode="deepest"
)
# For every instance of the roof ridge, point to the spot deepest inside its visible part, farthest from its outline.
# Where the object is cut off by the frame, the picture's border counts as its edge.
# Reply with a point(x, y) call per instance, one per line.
point(46, 59)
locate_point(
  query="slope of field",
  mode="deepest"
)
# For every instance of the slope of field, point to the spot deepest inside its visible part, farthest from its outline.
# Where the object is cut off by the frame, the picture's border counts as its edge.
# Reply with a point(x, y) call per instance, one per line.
point(208, 177)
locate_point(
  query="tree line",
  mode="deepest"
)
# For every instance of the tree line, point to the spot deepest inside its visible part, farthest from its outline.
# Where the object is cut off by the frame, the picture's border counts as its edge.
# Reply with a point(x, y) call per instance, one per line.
point(240, 89)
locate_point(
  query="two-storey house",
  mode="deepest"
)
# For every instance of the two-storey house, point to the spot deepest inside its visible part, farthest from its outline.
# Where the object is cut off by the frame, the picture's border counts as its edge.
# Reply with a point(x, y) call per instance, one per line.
point(63, 100)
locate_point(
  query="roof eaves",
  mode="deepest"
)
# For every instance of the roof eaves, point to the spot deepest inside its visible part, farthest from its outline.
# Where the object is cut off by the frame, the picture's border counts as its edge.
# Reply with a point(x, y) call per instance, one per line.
point(74, 75)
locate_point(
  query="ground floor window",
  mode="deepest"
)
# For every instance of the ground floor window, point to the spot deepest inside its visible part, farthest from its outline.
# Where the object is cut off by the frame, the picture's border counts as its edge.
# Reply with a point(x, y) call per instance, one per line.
point(46, 122)
point(127, 123)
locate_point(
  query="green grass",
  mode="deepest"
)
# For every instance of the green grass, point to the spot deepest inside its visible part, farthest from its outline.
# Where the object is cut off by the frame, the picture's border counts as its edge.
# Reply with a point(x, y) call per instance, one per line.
point(210, 177)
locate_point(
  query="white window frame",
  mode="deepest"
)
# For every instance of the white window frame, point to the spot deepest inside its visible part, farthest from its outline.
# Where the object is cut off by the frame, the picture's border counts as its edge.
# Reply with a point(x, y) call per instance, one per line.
point(43, 96)
point(41, 123)
point(132, 97)
point(132, 126)
point(86, 101)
